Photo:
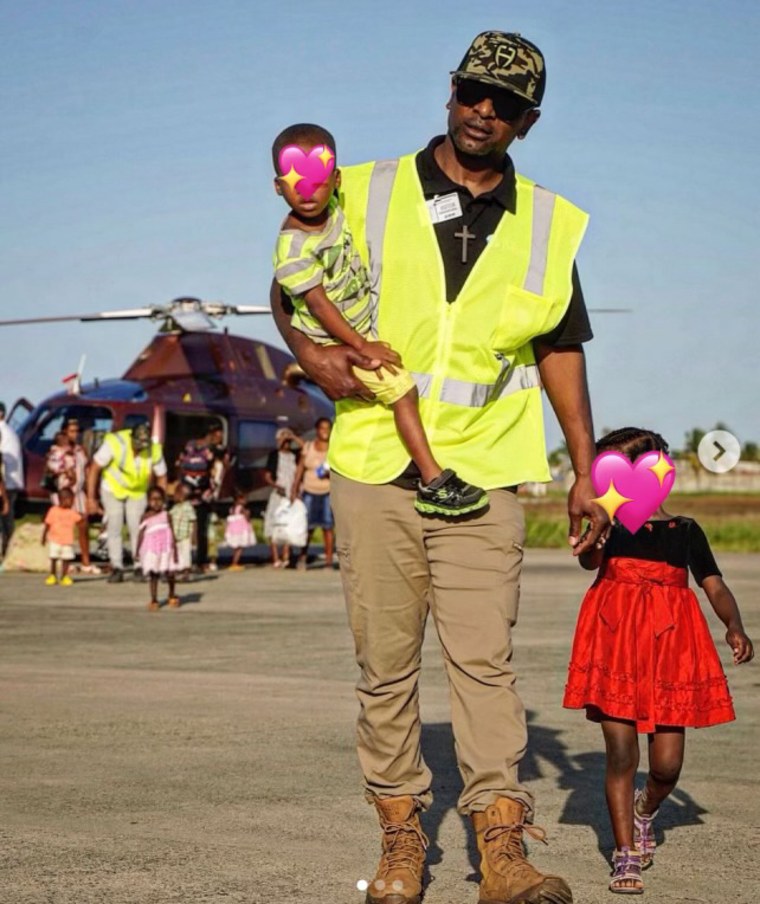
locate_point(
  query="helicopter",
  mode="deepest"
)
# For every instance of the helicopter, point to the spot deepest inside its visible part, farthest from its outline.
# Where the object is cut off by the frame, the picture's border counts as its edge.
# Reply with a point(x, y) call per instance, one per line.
point(187, 375)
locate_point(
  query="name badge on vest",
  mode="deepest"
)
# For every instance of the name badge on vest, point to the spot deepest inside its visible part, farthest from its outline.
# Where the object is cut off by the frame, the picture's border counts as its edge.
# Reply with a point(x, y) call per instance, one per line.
point(444, 207)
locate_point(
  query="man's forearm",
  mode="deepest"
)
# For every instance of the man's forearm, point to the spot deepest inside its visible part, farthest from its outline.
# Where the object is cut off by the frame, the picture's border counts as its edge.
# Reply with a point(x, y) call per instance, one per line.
point(92, 480)
point(563, 374)
point(329, 367)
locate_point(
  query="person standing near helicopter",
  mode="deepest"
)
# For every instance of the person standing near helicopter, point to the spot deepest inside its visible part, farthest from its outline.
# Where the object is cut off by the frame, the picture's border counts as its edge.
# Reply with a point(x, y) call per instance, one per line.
point(128, 461)
point(201, 469)
point(13, 463)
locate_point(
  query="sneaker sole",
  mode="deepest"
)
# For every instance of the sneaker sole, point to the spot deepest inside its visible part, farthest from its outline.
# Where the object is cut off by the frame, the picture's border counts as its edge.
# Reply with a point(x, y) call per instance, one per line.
point(429, 508)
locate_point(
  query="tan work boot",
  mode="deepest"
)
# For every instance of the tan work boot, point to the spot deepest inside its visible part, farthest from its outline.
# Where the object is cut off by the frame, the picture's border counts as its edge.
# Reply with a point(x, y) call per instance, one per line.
point(507, 877)
point(399, 875)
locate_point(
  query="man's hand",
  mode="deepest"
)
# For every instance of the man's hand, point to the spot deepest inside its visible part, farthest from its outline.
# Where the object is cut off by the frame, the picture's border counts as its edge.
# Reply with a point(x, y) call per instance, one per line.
point(92, 507)
point(388, 358)
point(579, 505)
point(330, 368)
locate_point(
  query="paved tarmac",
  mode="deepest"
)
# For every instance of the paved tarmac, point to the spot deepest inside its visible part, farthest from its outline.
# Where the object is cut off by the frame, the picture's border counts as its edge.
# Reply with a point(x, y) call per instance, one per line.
point(205, 755)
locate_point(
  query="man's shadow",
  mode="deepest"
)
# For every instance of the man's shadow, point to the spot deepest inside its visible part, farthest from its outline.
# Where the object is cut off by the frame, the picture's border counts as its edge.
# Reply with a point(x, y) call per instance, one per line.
point(438, 750)
point(582, 775)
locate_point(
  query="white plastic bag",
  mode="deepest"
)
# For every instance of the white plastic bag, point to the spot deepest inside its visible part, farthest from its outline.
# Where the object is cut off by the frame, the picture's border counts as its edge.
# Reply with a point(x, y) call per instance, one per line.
point(290, 523)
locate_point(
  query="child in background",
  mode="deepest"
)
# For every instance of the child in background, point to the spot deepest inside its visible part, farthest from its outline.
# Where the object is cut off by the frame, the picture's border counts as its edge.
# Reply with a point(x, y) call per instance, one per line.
point(318, 266)
point(238, 533)
point(157, 548)
point(643, 660)
point(60, 521)
point(185, 527)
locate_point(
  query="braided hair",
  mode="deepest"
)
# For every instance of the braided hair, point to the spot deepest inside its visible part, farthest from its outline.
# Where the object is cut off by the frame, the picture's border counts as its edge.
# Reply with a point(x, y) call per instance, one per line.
point(632, 442)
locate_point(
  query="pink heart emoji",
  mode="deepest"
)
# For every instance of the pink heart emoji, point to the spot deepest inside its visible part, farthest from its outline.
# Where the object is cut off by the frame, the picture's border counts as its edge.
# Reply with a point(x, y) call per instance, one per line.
point(314, 168)
point(645, 484)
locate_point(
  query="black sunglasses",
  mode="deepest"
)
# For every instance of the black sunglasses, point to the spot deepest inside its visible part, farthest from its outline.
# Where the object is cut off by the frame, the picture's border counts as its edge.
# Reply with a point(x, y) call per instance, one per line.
point(506, 105)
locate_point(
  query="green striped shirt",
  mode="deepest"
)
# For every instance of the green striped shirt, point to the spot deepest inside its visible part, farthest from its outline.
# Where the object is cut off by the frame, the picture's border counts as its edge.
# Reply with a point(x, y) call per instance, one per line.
point(303, 260)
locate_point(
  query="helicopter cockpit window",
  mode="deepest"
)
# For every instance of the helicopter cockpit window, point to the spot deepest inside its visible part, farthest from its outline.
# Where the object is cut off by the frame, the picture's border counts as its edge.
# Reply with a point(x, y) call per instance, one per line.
point(255, 442)
point(93, 422)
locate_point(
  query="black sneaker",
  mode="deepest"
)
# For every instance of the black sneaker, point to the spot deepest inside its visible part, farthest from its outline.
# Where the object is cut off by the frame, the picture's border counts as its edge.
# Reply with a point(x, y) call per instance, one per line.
point(115, 577)
point(449, 495)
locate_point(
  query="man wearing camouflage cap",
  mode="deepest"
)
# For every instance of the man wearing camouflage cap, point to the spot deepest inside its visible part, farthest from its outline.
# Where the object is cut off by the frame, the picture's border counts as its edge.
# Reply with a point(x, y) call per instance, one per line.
point(474, 279)
point(128, 461)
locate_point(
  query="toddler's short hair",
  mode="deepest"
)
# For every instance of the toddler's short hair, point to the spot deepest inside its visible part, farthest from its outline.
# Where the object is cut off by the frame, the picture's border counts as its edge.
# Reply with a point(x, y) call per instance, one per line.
point(301, 133)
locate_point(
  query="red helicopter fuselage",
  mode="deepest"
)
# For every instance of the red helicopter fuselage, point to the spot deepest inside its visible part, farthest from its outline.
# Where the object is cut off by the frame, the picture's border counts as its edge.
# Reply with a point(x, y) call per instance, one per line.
point(179, 382)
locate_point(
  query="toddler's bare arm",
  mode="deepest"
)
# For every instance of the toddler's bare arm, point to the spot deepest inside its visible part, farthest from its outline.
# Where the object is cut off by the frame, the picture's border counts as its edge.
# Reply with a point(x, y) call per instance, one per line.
point(727, 610)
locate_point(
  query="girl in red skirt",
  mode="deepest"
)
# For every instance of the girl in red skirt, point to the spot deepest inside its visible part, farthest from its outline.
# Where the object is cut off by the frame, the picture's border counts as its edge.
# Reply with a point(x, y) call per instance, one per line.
point(643, 660)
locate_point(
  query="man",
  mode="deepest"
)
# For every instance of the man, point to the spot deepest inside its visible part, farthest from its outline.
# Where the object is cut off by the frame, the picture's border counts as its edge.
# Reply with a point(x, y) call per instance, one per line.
point(128, 461)
point(200, 472)
point(13, 464)
point(475, 286)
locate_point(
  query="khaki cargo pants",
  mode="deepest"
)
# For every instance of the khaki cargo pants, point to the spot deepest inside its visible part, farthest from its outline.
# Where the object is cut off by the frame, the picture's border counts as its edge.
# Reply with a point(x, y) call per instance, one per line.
point(397, 565)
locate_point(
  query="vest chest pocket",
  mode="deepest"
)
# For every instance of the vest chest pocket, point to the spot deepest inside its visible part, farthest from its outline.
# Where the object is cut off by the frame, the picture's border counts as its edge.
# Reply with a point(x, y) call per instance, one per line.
point(522, 316)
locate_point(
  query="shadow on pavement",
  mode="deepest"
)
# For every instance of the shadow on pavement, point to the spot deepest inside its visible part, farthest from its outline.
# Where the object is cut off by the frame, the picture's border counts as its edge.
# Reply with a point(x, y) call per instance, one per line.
point(581, 774)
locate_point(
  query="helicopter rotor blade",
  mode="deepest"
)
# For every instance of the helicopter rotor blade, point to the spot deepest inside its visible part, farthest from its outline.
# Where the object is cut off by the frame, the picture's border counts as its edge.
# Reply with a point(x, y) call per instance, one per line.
point(249, 309)
point(126, 314)
point(220, 309)
point(103, 315)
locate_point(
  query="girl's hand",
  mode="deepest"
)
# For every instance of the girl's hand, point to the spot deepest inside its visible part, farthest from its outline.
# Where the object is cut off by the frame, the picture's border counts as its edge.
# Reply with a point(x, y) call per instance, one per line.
point(740, 644)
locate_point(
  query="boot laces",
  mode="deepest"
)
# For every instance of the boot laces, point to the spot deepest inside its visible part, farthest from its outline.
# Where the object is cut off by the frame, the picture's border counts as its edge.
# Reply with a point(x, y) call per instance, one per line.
point(403, 843)
point(508, 838)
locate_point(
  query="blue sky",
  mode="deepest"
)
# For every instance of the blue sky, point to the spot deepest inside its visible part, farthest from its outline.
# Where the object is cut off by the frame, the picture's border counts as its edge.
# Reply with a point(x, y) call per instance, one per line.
point(135, 167)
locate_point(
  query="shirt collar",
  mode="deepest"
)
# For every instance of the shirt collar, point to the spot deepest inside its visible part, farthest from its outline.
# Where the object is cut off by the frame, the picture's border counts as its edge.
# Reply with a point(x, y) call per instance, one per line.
point(436, 182)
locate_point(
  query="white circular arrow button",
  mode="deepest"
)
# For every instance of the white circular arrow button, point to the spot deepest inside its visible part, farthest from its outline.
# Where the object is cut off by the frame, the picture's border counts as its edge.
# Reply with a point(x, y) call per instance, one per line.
point(719, 451)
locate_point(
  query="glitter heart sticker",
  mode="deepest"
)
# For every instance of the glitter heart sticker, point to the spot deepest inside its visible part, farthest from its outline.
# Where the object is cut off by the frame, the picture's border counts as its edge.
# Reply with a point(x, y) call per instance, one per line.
point(306, 172)
point(632, 491)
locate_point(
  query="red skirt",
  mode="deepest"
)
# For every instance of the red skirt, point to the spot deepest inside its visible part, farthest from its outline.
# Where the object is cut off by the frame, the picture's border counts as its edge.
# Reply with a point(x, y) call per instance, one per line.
point(642, 651)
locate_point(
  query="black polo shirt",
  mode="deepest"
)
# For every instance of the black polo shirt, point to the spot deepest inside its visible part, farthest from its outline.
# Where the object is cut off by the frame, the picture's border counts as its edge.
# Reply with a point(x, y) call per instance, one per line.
point(481, 216)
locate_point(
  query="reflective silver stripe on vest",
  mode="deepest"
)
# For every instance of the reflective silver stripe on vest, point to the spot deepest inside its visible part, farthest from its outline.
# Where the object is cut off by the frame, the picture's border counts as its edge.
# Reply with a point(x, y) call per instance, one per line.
point(543, 211)
point(117, 472)
point(378, 202)
point(424, 383)
point(478, 395)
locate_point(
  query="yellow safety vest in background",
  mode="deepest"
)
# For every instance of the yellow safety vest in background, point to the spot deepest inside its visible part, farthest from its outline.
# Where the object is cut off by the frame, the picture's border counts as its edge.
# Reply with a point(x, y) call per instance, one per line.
point(472, 361)
point(128, 475)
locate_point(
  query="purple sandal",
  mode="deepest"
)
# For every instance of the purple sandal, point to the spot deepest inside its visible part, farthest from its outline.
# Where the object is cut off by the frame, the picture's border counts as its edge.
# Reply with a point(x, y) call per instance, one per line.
point(643, 833)
point(626, 868)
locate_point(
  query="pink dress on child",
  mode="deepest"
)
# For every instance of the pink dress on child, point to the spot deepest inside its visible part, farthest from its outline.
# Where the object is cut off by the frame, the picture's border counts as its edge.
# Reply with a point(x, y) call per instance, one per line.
point(238, 532)
point(157, 547)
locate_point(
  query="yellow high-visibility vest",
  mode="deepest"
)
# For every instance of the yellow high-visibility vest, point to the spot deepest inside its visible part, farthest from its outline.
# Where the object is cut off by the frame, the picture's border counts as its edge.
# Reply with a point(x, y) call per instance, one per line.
point(128, 475)
point(472, 360)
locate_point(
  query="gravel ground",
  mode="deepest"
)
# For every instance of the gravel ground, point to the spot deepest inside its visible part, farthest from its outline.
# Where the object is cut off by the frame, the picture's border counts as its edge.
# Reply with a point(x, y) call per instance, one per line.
point(206, 755)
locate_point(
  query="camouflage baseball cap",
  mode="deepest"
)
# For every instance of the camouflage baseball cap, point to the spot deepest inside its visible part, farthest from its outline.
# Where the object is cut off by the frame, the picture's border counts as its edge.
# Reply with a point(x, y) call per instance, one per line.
point(508, 61)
